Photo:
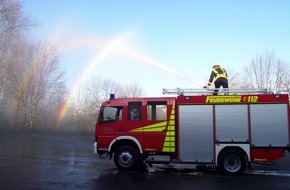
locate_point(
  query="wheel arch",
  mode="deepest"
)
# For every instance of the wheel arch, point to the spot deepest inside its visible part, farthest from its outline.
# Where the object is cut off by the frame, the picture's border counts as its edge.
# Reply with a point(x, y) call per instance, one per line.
point(243, 149)
point(125, 140)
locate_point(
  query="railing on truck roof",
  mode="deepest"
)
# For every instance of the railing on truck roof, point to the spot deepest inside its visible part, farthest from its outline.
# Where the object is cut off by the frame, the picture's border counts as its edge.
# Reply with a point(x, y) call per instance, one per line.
point(222, 91)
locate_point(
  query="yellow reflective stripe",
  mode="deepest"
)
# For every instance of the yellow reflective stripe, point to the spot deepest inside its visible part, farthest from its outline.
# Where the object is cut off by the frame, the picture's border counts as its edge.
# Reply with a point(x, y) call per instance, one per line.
point(219, 75)
point(169, 142)
point(157, 127)
point(169, 149)
point(170, 128)
point(171, 123)
point(170, 133)
point(171, 139)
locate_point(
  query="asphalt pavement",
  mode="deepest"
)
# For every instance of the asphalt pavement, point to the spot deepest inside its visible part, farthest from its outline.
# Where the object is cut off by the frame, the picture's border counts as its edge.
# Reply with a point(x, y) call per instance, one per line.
point(42, 161)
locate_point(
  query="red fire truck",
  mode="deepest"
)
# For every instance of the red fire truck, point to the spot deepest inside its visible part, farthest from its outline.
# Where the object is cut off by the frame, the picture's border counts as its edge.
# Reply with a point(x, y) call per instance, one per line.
point(194, 127)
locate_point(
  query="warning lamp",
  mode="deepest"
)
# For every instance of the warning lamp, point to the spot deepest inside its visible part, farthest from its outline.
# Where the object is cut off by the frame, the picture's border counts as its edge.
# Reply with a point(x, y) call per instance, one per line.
point(112, 96)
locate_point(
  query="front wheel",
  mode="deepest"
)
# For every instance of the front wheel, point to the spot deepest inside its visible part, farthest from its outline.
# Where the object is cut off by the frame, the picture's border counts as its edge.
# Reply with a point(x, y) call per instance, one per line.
point(232, 162)
point(127, 158)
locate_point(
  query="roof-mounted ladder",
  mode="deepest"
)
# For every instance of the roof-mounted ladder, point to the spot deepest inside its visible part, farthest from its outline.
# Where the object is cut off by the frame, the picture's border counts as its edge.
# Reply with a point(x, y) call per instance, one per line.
point(227, 91)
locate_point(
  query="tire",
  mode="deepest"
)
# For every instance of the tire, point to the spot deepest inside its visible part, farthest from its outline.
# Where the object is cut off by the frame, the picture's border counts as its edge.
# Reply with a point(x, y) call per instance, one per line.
point(232, 163)
point(127, 158)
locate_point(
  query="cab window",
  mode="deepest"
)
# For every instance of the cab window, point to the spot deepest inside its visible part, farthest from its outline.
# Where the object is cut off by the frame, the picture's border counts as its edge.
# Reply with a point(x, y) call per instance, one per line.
point(156, 110)
point(134, 111)
point(112, 114)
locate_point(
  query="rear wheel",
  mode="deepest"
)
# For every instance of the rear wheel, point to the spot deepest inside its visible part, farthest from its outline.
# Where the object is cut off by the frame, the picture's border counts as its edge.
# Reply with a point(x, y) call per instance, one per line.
point(127, 158)
point(232, 162)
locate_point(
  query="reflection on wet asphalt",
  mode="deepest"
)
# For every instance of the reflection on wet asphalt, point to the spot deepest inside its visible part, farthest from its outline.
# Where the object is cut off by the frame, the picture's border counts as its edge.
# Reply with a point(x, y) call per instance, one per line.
point(67, 162)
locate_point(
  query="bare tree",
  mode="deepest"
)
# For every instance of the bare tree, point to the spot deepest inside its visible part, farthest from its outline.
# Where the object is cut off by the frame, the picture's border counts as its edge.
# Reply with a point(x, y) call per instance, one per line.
point(49, 106)
point(12, 21)
point(266, 72)
point(130, 90)
point(33, 76)
point(13, 24)
point(14, 87)
point(46, 79)
point(282, 76)
point(234, 79)
point(107, 87)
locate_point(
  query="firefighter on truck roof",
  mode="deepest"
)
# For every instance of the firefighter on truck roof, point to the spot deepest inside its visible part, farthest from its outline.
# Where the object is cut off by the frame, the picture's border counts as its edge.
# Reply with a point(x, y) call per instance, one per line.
point(221, 78)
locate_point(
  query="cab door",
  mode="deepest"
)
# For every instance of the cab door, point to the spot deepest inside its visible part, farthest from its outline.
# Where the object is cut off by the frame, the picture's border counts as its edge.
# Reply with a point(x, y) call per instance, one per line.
point(111, 125)
point(134, 120)
point(155, 125)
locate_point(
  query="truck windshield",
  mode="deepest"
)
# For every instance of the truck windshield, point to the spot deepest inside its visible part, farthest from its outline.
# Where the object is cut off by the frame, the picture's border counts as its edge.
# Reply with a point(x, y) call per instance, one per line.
point(112, 114)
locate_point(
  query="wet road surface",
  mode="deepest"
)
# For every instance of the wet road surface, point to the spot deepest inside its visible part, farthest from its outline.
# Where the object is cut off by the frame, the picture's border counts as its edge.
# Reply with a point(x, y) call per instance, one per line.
point(67, 162)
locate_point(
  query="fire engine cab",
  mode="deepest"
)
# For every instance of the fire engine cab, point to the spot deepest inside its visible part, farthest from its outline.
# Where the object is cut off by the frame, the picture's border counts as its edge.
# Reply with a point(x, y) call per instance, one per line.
point(228, 131)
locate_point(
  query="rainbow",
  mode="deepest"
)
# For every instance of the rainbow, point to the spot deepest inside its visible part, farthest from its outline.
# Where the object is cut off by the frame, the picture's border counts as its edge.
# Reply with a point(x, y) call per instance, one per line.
point(111, 46)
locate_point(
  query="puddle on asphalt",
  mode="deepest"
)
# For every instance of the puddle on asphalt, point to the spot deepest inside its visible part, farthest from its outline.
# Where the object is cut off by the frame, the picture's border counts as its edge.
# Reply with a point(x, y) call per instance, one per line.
point(267, 172)
point(21, 160)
